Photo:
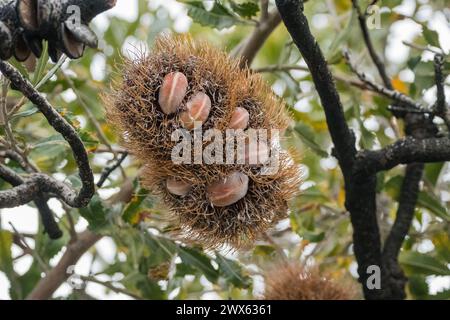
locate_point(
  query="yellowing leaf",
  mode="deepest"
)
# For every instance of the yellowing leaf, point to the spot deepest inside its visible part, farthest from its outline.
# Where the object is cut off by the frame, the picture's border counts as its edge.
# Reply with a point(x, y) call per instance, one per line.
point(399, 85)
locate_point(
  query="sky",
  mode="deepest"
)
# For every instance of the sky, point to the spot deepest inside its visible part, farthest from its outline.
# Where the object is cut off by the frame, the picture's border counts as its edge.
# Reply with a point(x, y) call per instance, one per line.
point(25, 218)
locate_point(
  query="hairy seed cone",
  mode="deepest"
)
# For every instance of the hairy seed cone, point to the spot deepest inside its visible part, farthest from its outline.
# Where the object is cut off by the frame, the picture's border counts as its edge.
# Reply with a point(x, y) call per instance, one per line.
point(139, 107)
point(292, 281)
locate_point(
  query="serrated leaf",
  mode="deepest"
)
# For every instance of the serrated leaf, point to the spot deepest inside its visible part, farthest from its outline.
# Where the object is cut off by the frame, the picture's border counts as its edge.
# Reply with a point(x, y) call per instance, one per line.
point(219, 17)
point(423, 264)
point(95, 213)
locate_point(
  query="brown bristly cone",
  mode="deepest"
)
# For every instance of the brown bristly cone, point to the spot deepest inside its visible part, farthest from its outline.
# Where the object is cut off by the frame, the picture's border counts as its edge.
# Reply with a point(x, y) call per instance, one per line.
point(134, 110)
point(293, 281)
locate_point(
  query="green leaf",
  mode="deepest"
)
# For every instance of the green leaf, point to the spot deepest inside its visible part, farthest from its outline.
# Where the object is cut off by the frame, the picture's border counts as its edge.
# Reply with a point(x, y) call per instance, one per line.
point(432, 204)
point(423, 264)
point(312, 236)
point(95, 213)
point(232, 272)
point(219, 17)
point(131, 212)
point(307, 135)
point(246, 9)
point(418, 286)
point(6, 240)
point(41, 65)
point(431, 36)
point(26, 113)
point(200, 261)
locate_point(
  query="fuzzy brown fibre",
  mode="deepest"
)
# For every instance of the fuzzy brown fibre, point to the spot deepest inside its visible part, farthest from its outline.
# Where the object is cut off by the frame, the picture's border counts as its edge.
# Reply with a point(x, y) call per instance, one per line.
point(292, 281)
point(133, 109)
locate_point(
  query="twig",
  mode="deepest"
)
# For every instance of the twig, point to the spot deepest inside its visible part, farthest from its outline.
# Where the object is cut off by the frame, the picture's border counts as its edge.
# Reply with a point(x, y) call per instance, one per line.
point(440, 108)
point(108, 170)
point(21, 241)
point(287, 68)
point(247, 50)
point(111, 287)
point(375, 58)
point(87, 110)
point(420, 48)
point(394, 95)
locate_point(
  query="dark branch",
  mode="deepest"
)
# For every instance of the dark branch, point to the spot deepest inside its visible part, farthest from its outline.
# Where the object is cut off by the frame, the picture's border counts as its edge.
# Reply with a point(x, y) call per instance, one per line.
point(405, 151)
point(108, 170)
point(360, 193)
point(440, 109)
point(37, 183)
point(292, 13)
point(373, 54)
point(47, 217)
point(402, 224)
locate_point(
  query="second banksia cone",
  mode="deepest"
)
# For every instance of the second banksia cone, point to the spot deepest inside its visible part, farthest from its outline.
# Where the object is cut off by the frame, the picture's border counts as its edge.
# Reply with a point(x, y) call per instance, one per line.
point(191, 86)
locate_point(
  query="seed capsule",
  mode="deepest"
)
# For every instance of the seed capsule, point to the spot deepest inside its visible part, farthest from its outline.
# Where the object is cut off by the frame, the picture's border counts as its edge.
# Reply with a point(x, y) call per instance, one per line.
point(256, 153)
point(178, 187)
point(228, 191)
point(198, 109)
point(239, 119)
point(172, 92)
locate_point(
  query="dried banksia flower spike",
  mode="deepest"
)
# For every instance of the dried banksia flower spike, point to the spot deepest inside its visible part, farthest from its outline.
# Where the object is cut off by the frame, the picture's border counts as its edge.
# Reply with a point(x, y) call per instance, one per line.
point(183, 84)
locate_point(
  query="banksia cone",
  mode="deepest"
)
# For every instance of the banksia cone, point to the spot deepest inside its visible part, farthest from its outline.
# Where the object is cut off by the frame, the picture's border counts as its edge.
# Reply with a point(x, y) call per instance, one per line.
point(183, 83)
point(292, 281)
point(24, 24)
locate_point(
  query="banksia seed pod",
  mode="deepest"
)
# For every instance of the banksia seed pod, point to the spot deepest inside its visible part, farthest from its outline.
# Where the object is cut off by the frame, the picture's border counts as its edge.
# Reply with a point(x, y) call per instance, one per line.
point(292, 281)
point(239, 119)
point(220, 96)
point(229, 190)
point(178, 187)
point(172, 92)
point(12, 39)
point(198, 109)
point(24, 24)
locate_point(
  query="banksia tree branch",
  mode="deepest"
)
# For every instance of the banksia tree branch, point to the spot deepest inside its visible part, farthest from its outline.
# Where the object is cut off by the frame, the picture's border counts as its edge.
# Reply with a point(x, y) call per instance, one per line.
point(405, 151)
point(405, 214)
point(38, 183)
point(360, 193)
point(46, 214)
point(256, 40)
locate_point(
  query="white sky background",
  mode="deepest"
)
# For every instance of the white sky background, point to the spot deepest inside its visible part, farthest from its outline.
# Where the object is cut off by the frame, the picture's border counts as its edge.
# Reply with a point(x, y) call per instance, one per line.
point(25, 219)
